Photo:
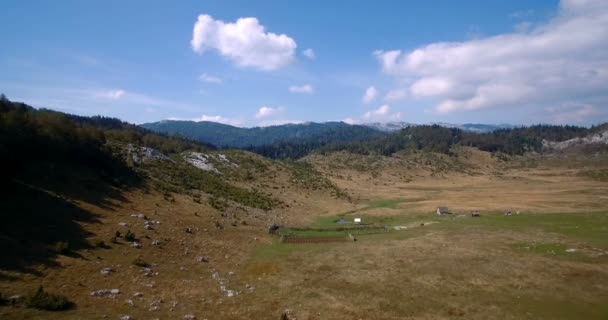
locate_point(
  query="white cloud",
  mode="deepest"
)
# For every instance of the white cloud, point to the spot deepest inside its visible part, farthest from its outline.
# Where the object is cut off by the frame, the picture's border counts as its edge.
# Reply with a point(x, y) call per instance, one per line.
point(216, 118)
point(350, 121)
point(309, 53)
point(278, 122)
point(265, 112)
point(382, 114)
point(395, 95)
point(245, 42)
point(111, 94)
point(302, 89)
point(370, 95)
point(210, 79)
point(563, 59)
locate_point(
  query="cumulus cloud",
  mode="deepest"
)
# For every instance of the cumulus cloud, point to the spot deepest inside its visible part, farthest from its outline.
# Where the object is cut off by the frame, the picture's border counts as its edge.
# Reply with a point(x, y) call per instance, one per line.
point(563, 59)
point(309, 53)
point(302, 89)
point(210, 79)
point(395, 95)
point(245, 42)
point(350, 121)
point(370, 95)
point(382, 114)
point(265, 112)
point(111, 94)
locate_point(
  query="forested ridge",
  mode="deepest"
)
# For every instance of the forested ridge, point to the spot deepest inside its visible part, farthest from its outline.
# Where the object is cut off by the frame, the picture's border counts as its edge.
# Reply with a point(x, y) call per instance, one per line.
point(434, 138)
point(29, 135)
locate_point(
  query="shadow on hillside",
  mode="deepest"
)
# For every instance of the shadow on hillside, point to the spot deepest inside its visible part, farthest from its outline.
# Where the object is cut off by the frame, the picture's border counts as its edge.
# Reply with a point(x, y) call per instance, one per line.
point(34, 220)
point(103, 189)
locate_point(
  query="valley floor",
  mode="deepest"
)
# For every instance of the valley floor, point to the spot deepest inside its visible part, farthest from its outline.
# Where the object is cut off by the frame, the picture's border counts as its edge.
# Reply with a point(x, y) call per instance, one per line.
point(550, 261)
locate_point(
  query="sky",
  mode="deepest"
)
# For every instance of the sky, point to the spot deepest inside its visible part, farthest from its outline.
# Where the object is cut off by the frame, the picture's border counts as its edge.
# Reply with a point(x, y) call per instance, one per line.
point(260, 63)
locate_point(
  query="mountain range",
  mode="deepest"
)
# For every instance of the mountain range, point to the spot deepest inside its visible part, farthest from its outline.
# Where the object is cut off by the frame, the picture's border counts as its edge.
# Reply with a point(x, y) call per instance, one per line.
point(223, 135)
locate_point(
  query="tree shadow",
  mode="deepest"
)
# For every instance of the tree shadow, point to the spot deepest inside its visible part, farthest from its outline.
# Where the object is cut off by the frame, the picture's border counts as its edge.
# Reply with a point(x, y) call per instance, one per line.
point(100, 188)
point(34, 221)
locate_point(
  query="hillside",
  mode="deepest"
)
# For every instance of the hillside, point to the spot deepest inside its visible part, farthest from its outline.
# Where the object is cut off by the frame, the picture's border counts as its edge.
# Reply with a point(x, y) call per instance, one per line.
point(296, 141)
point(227, 136)
point(115, 221)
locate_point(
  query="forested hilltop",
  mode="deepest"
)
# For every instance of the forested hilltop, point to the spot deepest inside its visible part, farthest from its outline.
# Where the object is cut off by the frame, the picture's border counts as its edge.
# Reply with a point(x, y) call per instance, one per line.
point(30, 136)
point(432, 138)
point(227, 136)
point(293, 141)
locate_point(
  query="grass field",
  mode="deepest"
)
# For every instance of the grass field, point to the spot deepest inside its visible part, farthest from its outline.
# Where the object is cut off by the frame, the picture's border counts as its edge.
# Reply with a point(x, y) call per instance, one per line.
point(548, 262)
point(535, 265)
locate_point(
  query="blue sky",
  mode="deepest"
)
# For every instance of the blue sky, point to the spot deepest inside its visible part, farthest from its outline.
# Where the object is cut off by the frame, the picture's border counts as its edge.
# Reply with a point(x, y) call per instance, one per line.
point(246, 62)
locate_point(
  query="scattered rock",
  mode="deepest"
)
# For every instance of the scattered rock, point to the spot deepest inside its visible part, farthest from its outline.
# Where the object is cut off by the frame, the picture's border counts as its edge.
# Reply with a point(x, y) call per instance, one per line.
point(106, 271)
point(136, 245)
point(189, 230)
point(122, 224)
point(571, 250)
point(138, 294)
point(203, 259)
point(130, 302)
point(144, 154)
point(105, 293)
point(126, 318)
point(190, 317)
point(287, 315)
point(139, 216)
point(15, 299)
point(155, 305)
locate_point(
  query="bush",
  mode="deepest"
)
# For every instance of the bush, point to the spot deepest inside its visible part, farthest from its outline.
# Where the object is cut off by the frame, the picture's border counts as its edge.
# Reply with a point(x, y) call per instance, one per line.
point(61, 247)
point(46, 301)
point(140, 263)
point(101, 244)
point(130, 236)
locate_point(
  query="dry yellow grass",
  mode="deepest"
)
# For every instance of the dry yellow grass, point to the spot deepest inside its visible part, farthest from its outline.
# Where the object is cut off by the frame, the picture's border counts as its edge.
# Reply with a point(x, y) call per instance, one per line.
point(451, 269)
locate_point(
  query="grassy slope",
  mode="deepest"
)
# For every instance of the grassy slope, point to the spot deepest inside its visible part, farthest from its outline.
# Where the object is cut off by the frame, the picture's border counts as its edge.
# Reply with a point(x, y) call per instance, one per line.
point(493, 267)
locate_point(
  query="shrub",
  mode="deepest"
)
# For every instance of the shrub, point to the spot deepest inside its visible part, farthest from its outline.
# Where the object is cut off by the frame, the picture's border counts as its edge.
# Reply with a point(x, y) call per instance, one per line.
point(101, 244)
point(46, 301)
point(61, 247)
point(114, 239)
point(218, 204)
point(130, 236)
point(140, 263)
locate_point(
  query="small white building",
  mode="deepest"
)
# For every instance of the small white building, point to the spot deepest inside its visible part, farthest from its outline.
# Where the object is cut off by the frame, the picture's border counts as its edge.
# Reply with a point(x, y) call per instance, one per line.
point(442, 210)
point(357, 220)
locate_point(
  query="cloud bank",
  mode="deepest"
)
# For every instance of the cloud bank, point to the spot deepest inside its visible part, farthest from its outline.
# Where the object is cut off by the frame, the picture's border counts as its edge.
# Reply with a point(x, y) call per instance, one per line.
point(562, 61)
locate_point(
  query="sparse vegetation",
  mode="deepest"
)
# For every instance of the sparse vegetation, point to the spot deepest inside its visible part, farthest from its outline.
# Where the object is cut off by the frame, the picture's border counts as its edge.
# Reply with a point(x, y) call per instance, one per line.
point(47, 301)
point(61, 247)
point(130, 236)
point(139, 262)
